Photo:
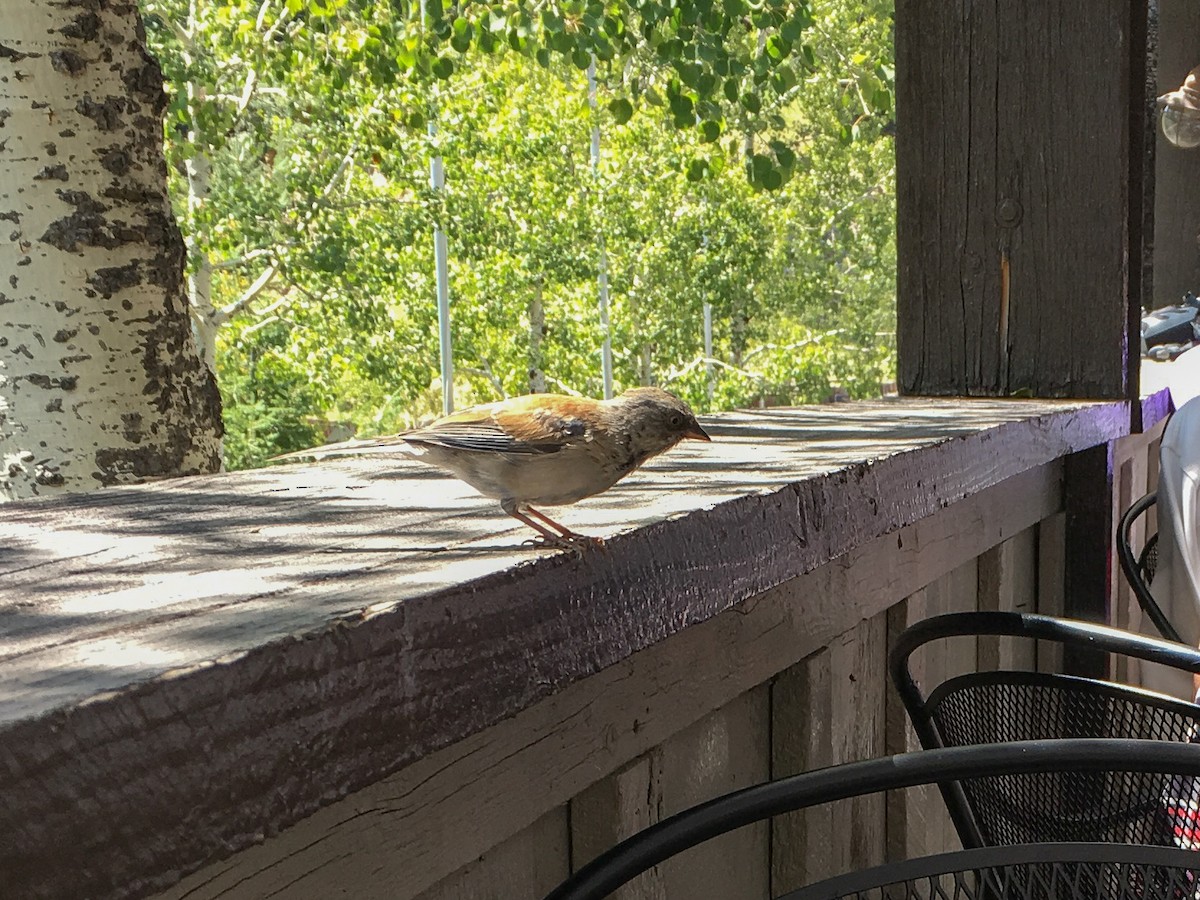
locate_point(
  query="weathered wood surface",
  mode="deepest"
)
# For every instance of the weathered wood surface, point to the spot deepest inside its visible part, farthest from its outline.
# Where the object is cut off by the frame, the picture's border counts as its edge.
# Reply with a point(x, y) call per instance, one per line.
point(1010, 275)
point(456, 803)
point(251, 647)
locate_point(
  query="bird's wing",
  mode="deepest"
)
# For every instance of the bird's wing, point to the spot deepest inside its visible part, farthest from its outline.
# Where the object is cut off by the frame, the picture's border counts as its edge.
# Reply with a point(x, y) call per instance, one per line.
point(540, 423)
point(537, 423)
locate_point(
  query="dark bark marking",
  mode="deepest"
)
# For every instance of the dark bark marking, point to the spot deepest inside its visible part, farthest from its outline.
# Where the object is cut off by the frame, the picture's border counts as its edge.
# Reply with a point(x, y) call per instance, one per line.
point(86, 225)
point(67, 62)
point(47, 475)
point(67, 133)
point(57, 172)
point(84, 27)
point(51, 148)
point(4, 114)
point(38, 104)
point(146, 83)
point(166, 269)
point(4, 298)
point(15, 55)
point(54, 405)
point(11, 216)
point(70, 360)
point(115, 160)
point(133, 431)
point(66, 383)
point(64, 334)
point(106, 115)
point(109, 281)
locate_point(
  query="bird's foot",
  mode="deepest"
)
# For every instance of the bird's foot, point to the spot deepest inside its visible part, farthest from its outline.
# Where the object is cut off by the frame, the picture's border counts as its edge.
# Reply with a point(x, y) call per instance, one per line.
point(575, 543)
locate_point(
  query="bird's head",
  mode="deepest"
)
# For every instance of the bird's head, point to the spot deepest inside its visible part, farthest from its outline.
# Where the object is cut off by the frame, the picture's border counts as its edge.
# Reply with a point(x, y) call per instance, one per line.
point(657, 420)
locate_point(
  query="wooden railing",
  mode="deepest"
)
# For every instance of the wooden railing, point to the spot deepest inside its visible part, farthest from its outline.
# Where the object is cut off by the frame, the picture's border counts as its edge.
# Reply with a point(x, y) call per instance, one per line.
point(328, 681)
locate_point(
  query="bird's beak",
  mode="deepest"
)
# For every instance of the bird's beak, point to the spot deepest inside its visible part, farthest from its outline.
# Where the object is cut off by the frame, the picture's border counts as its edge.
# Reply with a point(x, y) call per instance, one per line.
point(697, 433)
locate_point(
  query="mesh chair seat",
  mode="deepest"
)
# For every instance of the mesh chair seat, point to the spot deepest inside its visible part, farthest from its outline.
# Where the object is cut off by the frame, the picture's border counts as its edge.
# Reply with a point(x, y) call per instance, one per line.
point(1049, 871)
point(1044, 871)
point(983, 707)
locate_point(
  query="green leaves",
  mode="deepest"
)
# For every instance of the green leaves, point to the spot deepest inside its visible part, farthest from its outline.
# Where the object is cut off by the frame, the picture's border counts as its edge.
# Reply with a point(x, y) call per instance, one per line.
point(621, 110)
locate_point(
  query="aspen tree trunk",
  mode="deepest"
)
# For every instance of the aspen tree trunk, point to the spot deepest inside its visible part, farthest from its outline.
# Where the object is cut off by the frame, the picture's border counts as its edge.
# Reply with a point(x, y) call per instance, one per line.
point(100, 382)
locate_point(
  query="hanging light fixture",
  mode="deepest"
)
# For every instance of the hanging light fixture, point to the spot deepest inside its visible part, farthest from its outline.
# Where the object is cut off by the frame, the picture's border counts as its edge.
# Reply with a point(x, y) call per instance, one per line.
point(1179, 113)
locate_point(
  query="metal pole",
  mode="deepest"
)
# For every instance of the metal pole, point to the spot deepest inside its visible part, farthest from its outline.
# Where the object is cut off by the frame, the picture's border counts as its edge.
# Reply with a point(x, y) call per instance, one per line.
point(437, 181)
point(606, 363)
point(708, 349)
point(441, 253)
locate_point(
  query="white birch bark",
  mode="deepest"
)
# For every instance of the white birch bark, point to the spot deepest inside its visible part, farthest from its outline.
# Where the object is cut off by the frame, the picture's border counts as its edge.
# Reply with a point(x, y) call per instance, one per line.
point(100, 382)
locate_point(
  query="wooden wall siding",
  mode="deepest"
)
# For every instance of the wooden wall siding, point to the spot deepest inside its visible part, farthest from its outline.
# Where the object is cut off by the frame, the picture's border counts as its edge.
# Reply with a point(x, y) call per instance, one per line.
point(829, 709)
point(1051, 584)
point(1135, 467)
point(528, 864)
point(726, 750)
point(430, 819)
point(1014, 155)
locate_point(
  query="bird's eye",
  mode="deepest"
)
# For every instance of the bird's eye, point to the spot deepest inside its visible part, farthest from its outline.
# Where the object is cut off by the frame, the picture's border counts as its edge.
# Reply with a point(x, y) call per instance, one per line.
point(676, 421)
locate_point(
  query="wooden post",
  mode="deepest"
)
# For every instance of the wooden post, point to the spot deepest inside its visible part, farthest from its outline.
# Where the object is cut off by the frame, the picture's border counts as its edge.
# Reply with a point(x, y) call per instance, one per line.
point(1021, 173)
point(1177, 172)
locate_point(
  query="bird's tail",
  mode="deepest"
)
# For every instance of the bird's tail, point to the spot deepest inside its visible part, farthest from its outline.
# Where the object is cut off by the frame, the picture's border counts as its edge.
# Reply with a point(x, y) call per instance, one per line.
point(381, 446)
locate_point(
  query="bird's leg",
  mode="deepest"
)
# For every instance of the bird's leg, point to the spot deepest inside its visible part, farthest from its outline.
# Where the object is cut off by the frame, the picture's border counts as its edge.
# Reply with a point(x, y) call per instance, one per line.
point(561, 529)
point(565, 539)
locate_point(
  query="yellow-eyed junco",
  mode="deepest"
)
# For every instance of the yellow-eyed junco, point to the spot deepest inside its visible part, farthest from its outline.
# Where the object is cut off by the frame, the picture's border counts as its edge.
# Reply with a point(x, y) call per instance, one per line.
point(543, 449)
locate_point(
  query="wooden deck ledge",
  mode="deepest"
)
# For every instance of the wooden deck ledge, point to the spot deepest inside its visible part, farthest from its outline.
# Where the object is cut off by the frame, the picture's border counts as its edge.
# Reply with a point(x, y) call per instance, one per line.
point(188, 666)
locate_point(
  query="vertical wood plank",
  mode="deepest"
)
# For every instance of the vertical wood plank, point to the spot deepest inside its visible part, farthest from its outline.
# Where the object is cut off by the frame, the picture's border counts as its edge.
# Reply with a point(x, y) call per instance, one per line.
point(1051, 585)
point(801, 740)
point(1088, 483)
point(827, 709)
point(917, 821)
point(1008, 582)
point(858, 687)
point(611, 810)
point(528, 864)
point(988, 206)
point(726, 750)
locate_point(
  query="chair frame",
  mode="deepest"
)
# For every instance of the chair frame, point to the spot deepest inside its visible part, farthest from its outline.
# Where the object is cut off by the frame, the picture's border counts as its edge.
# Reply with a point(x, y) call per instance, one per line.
point(1135, 567)
point(687, 829)
point(1067, 632)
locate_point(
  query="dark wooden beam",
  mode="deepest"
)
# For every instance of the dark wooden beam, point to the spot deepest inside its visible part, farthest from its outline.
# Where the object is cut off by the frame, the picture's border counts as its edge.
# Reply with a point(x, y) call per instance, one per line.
point(1019, 223)
point(190, 665)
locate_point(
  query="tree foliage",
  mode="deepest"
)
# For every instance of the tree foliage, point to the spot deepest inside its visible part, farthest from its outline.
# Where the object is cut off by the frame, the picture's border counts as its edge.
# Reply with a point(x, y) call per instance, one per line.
point(313, 120)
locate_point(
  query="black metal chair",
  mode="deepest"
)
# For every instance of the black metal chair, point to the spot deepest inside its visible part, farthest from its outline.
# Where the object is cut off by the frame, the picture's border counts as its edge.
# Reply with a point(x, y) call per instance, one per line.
point(1139, 567)
point(994, 706)
point(1059, 870)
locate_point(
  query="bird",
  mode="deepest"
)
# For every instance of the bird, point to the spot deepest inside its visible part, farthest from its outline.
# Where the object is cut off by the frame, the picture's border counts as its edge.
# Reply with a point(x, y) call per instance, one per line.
point(542, 449)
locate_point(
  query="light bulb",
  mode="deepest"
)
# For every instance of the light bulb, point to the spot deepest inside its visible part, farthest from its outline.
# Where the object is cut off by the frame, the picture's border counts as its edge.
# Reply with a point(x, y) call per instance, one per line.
point(1179, 113)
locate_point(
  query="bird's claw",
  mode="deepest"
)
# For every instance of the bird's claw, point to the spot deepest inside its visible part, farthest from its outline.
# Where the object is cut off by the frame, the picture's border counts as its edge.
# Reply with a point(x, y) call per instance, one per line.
point(575, 543)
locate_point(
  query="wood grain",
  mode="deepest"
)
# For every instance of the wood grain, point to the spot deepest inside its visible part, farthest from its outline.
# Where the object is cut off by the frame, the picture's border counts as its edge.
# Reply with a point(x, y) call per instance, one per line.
point(437, 814)
point(990, 157)
point(252, 647)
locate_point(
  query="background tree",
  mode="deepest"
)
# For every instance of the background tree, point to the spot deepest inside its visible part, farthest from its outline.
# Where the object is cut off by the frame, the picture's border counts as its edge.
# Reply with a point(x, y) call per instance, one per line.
point(315, 218)
point(99, 378)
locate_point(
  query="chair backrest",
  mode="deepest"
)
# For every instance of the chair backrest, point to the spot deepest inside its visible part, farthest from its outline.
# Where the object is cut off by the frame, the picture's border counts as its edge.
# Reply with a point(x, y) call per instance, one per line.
point(1139, 568)
point(981, 707)
point(1099, 758)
